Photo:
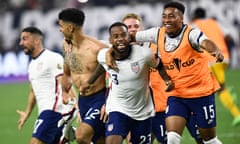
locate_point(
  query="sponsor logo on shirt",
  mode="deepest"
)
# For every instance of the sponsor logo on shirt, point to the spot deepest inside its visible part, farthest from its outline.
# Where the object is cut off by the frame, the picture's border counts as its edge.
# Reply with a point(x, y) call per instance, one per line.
point(178, 64)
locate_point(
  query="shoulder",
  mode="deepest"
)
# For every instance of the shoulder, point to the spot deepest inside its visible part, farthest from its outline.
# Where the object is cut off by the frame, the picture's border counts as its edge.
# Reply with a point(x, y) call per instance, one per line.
point(143, 51)
point(196, 35)
point(102, 55)
point(53, 55)
point(96, 42)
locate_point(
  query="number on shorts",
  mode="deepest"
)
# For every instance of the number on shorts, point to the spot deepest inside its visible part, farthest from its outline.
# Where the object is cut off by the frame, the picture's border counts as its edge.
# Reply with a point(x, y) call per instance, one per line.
point(145, 140)
point(37, 124)
point(91, 114)
point(162, 130)
point(209, 112)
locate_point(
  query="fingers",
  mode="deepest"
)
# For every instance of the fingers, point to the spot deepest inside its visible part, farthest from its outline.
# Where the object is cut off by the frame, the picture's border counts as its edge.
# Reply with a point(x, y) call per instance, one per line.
point(19, 112)
point(103, 114)
point(169, 86)
point(105, 119)
point(22, 119)
point(113, 66)
point(219, 58)
point(20, 125)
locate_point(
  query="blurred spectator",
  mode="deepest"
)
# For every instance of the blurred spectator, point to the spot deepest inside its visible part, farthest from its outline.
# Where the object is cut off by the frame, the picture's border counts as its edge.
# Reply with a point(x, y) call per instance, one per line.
point(212, 30)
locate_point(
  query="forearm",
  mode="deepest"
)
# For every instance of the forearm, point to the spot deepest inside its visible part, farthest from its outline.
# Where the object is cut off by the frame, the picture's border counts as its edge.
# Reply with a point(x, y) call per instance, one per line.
point(162, 71)
point(66, 79)
point(31, 104)
point(99, 71)
point(211, 48)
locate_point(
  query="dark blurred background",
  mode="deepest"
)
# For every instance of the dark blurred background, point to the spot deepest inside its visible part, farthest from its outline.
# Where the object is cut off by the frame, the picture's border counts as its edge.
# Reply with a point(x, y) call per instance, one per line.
point(17, 14)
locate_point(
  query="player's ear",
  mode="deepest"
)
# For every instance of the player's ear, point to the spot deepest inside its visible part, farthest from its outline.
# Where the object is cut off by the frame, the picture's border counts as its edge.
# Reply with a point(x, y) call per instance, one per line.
point(110, 39)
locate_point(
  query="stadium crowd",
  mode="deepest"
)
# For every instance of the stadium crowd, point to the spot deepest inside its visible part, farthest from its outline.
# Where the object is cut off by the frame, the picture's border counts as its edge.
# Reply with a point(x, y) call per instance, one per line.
point(17, 13)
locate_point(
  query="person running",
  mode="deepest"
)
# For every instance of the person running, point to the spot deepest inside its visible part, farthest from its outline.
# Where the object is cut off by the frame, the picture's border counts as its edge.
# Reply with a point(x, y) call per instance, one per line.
point(182, 51)
point(212, 30)
point(45, 89)
point(80, 61)
point(135, 24)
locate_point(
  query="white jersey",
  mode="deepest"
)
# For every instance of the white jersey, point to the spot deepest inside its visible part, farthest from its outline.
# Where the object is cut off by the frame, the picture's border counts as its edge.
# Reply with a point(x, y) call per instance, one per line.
point(43, 71)
point(129, 92)
point(151, 35)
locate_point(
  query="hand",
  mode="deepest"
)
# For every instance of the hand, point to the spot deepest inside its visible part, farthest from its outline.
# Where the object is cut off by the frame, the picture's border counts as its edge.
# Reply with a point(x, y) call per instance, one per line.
point(65, 98)
point(218, 55)
point(110, 60)
point(103, 114)
point(23, 117)
point(169, 85)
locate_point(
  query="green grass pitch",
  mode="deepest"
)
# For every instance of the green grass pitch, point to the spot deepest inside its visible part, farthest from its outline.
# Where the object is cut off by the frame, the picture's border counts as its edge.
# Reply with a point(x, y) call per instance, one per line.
point(14, 96)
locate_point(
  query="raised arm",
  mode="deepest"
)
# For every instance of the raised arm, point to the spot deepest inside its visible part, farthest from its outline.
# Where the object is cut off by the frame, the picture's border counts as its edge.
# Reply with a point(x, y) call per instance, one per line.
point(211, 47)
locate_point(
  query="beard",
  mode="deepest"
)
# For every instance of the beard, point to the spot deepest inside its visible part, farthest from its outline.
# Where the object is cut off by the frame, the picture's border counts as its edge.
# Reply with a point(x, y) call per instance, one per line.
point(28, 51)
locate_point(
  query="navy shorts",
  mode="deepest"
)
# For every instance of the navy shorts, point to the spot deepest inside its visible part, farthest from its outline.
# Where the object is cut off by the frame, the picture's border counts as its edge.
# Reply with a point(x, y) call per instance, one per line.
point(193, 128)
point(203, 109)
point(46, 127)
point(159, 127)
point(120, 124)
point(90, 107)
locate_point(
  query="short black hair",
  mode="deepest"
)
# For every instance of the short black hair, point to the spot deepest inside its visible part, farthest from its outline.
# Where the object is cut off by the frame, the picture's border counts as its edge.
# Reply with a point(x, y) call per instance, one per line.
point(72, 15)
point(175, 4)
point(33, 30)
point(117, 24)
point(199, 13)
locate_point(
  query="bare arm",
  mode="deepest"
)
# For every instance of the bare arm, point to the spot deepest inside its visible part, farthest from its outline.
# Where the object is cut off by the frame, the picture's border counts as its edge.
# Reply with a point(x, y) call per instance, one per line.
point(86, 85)
point(110, 60)
point(25, 114)
point(162, 72)
point(211, 47)
point(99, 71)
point(66, 83)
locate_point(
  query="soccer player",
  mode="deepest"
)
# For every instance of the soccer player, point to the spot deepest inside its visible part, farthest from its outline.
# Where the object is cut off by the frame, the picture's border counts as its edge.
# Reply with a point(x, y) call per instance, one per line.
point(45, 74)
point(80, 61)
point(212, 30)
point(134, 23)
point(182, 51)
point(129, 104)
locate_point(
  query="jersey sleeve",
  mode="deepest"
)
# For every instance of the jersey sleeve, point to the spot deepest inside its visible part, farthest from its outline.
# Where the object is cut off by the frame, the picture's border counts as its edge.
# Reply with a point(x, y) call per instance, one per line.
point(196, 36)
point(101, 58)
point(149, 35)
point(149, 56)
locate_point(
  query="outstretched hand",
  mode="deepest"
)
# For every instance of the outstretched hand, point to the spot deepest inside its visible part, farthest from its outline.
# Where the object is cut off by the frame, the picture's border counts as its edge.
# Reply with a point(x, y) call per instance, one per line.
point(22, 119)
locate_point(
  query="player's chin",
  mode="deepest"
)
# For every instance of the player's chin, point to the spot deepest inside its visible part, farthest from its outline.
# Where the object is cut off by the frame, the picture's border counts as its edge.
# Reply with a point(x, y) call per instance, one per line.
point(26, 51)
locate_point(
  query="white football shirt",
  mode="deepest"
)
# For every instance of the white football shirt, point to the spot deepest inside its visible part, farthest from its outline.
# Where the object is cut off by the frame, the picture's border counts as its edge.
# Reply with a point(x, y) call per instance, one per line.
point(129, 92)
point(43, 71)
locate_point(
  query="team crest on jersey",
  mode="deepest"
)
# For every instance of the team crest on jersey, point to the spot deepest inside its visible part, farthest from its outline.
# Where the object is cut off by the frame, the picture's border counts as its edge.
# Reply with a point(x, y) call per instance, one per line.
point(59, 66)
point(135, 67)
point(110, 127)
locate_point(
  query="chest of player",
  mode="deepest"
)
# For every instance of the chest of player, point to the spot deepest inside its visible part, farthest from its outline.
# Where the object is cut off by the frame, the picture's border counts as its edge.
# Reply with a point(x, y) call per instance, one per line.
point(39, 70)
point(130, 70)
